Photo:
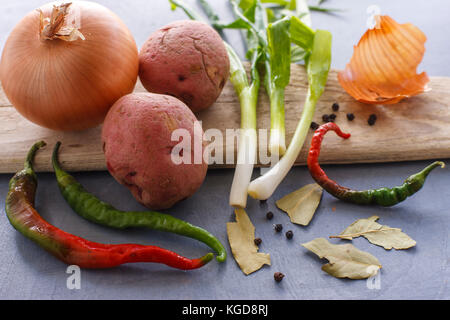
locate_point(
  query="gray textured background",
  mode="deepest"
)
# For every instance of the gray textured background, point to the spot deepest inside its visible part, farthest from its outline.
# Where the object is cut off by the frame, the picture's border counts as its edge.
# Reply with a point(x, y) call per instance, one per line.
point(28, 272)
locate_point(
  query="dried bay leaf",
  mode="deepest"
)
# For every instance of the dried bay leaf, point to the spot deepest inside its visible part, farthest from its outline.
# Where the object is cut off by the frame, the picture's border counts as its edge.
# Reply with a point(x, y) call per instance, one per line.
point(345, 261)
point(241, 236)
point(377, 234)
point(301, 204)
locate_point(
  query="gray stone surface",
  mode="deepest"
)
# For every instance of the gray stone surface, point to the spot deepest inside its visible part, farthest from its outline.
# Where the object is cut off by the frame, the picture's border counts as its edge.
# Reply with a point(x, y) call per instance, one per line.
point(28, 272)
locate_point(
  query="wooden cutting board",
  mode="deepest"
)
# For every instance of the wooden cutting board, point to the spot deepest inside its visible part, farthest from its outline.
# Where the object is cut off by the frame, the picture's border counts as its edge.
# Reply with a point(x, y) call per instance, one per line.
point(415, 129)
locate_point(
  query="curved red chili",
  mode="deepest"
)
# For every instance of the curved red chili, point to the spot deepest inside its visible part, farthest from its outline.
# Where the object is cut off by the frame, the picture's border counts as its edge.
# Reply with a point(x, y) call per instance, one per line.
point(382, 196)
point(70, 248)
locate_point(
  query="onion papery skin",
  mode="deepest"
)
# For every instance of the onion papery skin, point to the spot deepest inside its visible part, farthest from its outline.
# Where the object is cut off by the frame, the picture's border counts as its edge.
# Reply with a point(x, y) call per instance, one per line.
point(383, 67)
point(69, 85)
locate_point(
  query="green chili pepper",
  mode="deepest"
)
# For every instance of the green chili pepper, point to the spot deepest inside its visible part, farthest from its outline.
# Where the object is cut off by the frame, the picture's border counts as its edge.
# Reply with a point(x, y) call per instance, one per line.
point(95, 210)
point(383, 196)
point(19, 208)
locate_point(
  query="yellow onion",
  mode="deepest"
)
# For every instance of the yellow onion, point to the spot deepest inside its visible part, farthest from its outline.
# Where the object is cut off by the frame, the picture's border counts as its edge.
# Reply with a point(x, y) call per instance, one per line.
point(65, 64)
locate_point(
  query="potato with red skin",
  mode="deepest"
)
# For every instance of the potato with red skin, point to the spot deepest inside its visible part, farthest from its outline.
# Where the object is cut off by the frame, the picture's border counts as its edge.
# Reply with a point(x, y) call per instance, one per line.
point(137, 144)
point(185, 59)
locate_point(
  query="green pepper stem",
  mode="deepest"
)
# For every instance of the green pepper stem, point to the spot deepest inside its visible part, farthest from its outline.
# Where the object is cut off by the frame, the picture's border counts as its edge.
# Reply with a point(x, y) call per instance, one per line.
point(207, 258)
point(55, 161)
point(28, 166)
point(429, 168)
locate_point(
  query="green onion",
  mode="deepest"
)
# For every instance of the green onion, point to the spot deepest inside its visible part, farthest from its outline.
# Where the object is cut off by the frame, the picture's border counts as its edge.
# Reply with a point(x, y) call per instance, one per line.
point(317, 68)
point(248, 145)
point(278, 72)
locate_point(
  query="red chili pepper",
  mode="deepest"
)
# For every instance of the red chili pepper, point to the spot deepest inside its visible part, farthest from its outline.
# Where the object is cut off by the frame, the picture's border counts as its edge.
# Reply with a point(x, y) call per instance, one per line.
point(70, 248)
point(382, 196)
point(313, 158)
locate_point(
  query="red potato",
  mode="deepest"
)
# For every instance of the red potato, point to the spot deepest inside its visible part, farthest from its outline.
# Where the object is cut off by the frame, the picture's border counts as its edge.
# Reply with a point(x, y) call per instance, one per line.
point(185, 59)
point(137, 144)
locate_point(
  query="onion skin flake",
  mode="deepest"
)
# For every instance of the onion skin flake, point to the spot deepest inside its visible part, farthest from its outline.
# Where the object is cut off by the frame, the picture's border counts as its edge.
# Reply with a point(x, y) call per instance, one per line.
point(383, 67)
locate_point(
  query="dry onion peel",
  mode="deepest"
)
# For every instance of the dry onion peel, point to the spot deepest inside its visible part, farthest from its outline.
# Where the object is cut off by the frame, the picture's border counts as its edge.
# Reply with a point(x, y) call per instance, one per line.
point(56, 26)
point(383, 67)
point(56, 79)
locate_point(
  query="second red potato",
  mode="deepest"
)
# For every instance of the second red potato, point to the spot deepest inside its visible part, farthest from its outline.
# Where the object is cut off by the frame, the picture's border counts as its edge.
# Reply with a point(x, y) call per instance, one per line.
point(185, 59)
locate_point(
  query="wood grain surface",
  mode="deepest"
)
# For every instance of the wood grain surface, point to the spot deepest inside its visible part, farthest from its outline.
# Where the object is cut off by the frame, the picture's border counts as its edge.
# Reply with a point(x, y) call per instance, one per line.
point(417, 128)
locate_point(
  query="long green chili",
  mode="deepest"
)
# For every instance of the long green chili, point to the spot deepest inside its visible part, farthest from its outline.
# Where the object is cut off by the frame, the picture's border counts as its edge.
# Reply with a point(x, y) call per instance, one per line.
point(91, 208)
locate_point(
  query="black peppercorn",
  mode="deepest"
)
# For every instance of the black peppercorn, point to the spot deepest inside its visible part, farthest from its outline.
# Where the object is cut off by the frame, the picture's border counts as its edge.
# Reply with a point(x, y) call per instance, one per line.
point(257, 241)
point(278, 276)
point(332, 117)
point(289, 234)
point(350, 116)
point(314, 125)
point(325, 118)
point(372, 119)
point(335, 106)
point(269, 215)
point(278, 227)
